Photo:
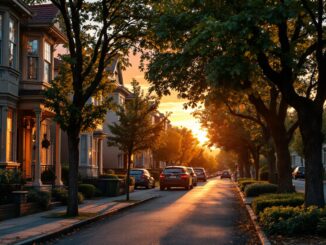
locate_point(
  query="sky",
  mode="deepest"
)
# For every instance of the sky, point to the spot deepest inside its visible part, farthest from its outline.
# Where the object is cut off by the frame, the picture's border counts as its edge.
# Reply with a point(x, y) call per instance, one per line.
point(180, 116)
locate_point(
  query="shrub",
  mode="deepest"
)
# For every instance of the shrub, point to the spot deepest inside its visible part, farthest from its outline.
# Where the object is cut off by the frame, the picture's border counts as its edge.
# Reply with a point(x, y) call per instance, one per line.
point(61, 195)
point(11, 176)
point(65, 174)
point(98, 192)
point(110, 171)
point(87, 190)
point(48, 176)
point(109, 176)
point(271, 200)
point(131, 179)
point(292, 220)
point(321, 227)
point(244, 183)
point(257, 189)
point(42, 198)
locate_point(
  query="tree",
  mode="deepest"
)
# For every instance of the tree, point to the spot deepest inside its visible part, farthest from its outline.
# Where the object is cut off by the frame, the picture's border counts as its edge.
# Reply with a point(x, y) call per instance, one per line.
point(232, 42)
point(135, 130)
point(188, 145)
point(168, 149)
point(97, 32)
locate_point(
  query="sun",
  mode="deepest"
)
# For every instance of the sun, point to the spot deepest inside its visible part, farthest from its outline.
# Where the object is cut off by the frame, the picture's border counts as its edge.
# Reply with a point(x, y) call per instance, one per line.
point(201, 135)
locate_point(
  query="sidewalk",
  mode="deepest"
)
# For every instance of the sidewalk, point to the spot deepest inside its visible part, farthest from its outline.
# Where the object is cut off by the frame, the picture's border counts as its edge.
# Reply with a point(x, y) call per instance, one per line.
point(37, 227)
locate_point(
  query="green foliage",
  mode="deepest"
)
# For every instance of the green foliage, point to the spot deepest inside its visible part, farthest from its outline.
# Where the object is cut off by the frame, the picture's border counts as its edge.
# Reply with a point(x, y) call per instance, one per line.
point(42, 198)
point(48, 176)
point(272, 200)
point(135, 130)
point(87, 190)
point(244, 182)
point(109, 176)
point(292, 220)
point(61, 195)
point(256, 189)
point(321, 226)
point(11, 177)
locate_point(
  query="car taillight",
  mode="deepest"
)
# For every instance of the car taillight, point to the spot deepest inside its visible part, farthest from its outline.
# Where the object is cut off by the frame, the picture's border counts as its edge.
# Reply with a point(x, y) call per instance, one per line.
point(162, 176)
point(144, 177)
point(184, 176)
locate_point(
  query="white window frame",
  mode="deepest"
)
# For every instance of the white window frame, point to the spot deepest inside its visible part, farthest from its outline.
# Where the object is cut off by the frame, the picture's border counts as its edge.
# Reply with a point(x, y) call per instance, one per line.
point(47, 62)
point(13, 42)
point(33, 56)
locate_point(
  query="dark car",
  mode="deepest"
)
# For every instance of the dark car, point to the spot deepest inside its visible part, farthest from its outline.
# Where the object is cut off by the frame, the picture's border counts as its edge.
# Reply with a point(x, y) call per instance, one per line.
point(298, 172)
point(142, 178)
point(226, 175)
point(194, 176)
point(201, 174)
point(175, 176)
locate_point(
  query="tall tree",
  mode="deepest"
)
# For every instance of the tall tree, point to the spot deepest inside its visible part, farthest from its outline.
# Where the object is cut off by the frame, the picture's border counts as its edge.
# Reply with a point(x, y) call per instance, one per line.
point(188, 145)
point(135, 130)
point(97, 32)
point(168, 149)
point(232, 41)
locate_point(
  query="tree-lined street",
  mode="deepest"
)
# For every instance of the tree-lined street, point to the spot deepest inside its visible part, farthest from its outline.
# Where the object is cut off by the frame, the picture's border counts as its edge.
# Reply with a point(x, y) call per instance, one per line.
point(209, 214)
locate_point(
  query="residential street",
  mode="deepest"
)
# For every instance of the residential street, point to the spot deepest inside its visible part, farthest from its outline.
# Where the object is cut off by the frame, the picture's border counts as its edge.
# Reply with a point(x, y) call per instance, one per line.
point(208, 214)
point(299, 186)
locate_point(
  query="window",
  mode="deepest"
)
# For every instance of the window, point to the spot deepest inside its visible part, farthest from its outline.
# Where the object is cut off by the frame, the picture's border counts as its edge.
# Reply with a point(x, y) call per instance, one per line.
point(9, 147)
point(83, 149)
point(12, 42)
point(1, 28)
point(47, 62)
point(32, 59)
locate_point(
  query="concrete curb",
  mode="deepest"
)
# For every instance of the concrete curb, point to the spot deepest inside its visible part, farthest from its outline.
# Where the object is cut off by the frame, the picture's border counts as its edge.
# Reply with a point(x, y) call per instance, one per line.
point(48, 236)
point(262, 237)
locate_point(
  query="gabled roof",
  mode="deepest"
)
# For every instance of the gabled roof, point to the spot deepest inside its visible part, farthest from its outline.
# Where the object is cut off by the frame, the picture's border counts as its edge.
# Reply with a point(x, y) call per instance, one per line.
point(18, 5)
point(44, 14)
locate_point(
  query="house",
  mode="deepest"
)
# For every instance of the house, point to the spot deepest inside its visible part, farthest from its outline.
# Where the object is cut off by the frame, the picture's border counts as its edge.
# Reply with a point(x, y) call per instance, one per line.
point(112, 156)
point(30, 139)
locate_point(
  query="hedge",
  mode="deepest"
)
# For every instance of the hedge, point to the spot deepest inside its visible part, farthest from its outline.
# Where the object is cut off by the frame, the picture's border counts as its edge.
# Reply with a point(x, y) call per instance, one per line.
point(270, 200)
point(87, 190)
point(293, 220)
point(256, 189)
point(42, 198)
point(244, 183)
point(61, 195)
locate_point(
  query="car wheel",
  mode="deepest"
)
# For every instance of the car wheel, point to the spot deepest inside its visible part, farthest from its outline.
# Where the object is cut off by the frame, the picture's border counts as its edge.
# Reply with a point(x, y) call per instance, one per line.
point(147, 186)
point(162, 188)
point(187, 187)
point(153, 186)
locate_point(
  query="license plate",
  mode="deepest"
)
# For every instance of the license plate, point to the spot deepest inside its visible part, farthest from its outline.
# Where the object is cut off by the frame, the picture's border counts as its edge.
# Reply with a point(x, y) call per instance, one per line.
point(173, 177)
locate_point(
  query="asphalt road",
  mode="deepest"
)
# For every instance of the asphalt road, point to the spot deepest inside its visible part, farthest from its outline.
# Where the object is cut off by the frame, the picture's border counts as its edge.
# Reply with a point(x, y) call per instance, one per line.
point(210, 213)
point(300, 186)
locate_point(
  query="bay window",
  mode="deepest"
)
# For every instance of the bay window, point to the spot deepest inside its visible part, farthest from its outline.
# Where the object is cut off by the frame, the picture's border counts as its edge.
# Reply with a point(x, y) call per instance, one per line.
point(47, 62)
point(12, 42)
point(32, 59)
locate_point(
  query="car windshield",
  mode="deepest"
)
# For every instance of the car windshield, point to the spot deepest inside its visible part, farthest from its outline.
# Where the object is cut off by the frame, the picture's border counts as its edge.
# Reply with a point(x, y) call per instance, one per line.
point(173, 170)
point(190, 170)
point(199, 171)
point(136, 172)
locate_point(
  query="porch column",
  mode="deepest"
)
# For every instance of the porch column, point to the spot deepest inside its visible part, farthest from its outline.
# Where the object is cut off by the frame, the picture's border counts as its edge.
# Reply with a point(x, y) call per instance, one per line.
point(100, 157)
point(58, 181)
point(37, 168)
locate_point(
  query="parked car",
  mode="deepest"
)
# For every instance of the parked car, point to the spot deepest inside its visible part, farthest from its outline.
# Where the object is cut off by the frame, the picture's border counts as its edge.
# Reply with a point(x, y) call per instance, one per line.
point(194, 176)
point(201, 174)
point(175, 176)
point(226, 175)
point(298, 172)
point(142, 178)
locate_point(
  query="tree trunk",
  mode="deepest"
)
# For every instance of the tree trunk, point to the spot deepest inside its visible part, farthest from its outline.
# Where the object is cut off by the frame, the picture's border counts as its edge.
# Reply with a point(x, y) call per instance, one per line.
point(73, 145)
point(310, 122)
point(283, 158)
point(255, 157)
point(128, 176)
point(271, 160)
point(244, 159)
point(240, 167)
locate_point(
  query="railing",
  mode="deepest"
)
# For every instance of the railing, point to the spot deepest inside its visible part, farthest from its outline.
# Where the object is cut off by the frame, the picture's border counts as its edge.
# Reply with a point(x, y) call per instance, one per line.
point(44, 168)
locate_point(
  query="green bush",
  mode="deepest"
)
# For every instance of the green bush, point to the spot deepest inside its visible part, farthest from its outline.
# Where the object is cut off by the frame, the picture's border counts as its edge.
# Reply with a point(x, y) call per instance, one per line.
point(48, 176)
point(11, 176)
point(257, 189)
point(61, 195)
point(271, 200)
point(65, 174)
point(292, 220)
point(42, 198)
point(244, 183)
point(321, 226)
point(109, 176)
point(263, 176)
point(88, 190)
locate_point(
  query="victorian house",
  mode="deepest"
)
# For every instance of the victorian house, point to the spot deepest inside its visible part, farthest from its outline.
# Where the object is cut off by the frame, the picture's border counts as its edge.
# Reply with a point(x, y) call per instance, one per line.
point(29, 138)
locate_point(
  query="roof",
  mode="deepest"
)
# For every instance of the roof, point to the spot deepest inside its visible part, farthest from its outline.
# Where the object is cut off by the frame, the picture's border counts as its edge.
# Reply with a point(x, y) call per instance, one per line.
point(43, 14)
